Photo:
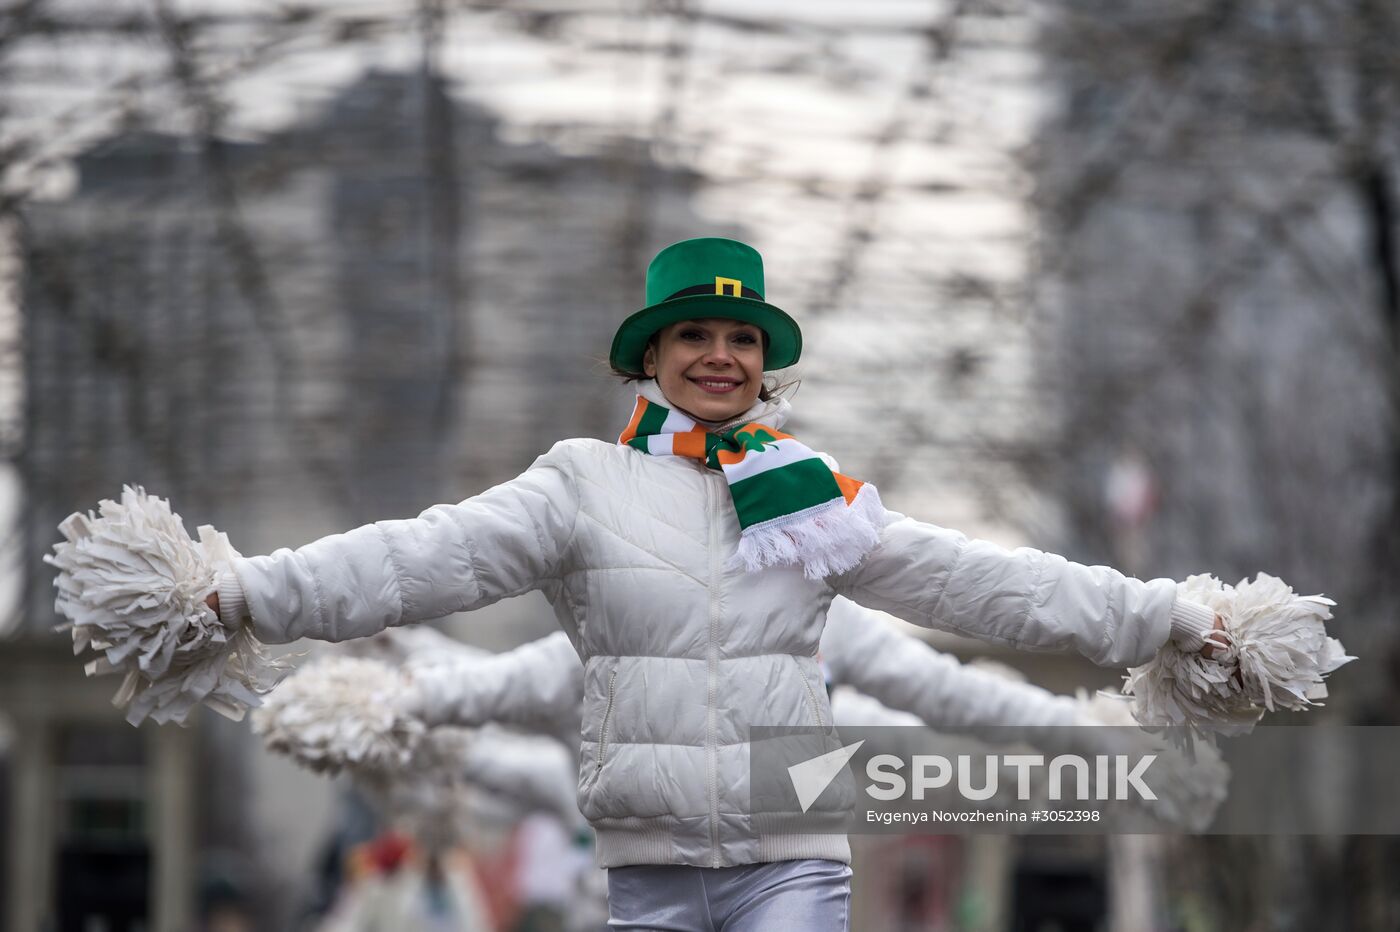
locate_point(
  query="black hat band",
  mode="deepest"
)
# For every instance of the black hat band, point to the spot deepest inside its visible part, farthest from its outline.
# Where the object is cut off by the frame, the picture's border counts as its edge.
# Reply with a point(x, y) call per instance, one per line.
point(722, 289)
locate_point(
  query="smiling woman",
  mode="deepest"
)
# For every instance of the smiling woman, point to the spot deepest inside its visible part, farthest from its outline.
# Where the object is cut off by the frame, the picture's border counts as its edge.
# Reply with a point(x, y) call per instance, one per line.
point(693, 561)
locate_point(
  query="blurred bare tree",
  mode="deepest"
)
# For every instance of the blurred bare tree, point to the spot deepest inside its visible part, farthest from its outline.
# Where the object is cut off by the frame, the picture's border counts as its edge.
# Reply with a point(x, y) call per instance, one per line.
point(1219, 248)
point(1219, 259)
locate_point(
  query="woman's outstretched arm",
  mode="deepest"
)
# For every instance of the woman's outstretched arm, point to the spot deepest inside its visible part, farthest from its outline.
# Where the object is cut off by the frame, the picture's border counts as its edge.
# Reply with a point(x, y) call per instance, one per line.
point(1029, 599)
point(451, 558)
point(537, 687)
point(864, 651)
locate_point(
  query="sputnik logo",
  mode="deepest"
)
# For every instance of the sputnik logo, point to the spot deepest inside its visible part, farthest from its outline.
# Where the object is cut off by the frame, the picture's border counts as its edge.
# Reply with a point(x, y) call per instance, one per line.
point(811, 777)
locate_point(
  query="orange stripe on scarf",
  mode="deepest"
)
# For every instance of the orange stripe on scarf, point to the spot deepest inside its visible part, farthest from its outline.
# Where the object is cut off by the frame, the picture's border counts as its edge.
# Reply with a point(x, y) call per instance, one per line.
point(630, 431)
point(691, 443)
point(849, 487)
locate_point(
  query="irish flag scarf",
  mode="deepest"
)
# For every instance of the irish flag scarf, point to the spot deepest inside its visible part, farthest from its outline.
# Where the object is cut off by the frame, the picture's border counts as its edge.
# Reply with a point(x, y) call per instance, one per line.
point(793, 509)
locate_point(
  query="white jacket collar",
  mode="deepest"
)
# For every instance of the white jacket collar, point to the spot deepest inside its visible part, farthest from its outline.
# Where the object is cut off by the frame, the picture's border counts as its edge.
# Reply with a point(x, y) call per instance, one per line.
point(771, 413)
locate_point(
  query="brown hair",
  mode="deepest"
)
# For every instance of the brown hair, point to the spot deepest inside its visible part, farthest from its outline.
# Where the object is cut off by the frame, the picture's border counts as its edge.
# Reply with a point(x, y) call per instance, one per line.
point(766, 392)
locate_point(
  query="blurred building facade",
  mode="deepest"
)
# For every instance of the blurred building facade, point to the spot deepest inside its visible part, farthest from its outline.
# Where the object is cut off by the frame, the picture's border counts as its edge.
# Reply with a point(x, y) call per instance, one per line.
point(384, 307)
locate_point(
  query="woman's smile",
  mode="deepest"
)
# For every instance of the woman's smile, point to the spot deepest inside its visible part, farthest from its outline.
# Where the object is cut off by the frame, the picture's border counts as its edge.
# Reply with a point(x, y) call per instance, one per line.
point(717, 385)
point(710, 369)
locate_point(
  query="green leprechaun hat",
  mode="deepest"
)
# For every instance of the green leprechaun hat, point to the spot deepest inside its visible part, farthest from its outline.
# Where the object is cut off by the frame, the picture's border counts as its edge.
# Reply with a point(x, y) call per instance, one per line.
point(706, 277)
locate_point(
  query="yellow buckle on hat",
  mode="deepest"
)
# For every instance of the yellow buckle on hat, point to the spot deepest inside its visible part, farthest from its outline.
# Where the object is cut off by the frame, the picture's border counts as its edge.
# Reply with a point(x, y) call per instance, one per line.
point(721, 283)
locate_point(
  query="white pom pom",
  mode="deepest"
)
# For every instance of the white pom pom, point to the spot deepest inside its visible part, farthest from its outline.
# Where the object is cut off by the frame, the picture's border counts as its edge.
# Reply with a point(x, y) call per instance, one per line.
point(1277, 656)
point(1190, 784)
point(133, 583)
point(342, 712)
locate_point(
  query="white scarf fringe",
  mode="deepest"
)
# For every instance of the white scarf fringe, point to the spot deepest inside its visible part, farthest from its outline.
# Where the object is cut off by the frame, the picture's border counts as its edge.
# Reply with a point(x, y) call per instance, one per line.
point(826, 539)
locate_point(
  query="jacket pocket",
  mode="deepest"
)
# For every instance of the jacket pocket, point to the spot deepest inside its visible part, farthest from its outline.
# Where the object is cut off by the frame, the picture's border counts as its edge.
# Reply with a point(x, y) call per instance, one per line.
point(607, 720)
point(812, 703)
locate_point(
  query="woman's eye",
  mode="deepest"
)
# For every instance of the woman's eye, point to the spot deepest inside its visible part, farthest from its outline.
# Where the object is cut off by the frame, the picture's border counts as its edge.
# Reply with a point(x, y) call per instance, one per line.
point(692, 335)
point(747, 338)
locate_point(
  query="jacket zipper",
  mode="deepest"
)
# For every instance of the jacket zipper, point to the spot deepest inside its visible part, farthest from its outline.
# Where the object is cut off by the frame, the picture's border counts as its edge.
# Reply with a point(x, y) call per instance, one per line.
point(607, 715)
point(712, 777)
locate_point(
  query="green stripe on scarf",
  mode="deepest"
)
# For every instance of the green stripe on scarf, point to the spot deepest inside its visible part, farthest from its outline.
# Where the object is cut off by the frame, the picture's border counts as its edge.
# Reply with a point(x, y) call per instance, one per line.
point(652, 419)
point(793, 488)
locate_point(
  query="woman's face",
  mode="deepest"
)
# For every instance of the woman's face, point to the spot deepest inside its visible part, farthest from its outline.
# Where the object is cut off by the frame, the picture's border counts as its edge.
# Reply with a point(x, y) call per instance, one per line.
point(711, 369)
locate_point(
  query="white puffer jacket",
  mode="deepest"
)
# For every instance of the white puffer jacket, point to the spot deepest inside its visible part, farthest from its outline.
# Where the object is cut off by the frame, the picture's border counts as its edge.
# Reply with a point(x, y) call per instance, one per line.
point(537, 687)
point(879, 676)
point(680, 655)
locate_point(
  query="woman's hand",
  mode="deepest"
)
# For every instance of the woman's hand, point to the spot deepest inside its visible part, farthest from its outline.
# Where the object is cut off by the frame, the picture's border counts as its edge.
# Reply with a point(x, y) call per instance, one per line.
point(1212, 642)
point(1220, 640)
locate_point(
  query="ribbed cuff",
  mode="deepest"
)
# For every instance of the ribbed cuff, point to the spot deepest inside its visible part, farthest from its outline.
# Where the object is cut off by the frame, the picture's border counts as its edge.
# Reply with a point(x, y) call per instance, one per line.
point(1191, 622)
point(233, 605)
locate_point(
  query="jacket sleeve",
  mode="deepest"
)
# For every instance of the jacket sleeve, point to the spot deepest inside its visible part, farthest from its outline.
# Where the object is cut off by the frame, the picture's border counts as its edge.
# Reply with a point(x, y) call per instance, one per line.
point(451, 558)
point(537, 687)
point(862, 650)
point(534, 773)
point(1028, 599)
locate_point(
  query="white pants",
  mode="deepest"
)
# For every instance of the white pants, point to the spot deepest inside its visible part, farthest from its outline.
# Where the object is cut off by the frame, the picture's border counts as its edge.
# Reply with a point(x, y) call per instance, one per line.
point(810, 895)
